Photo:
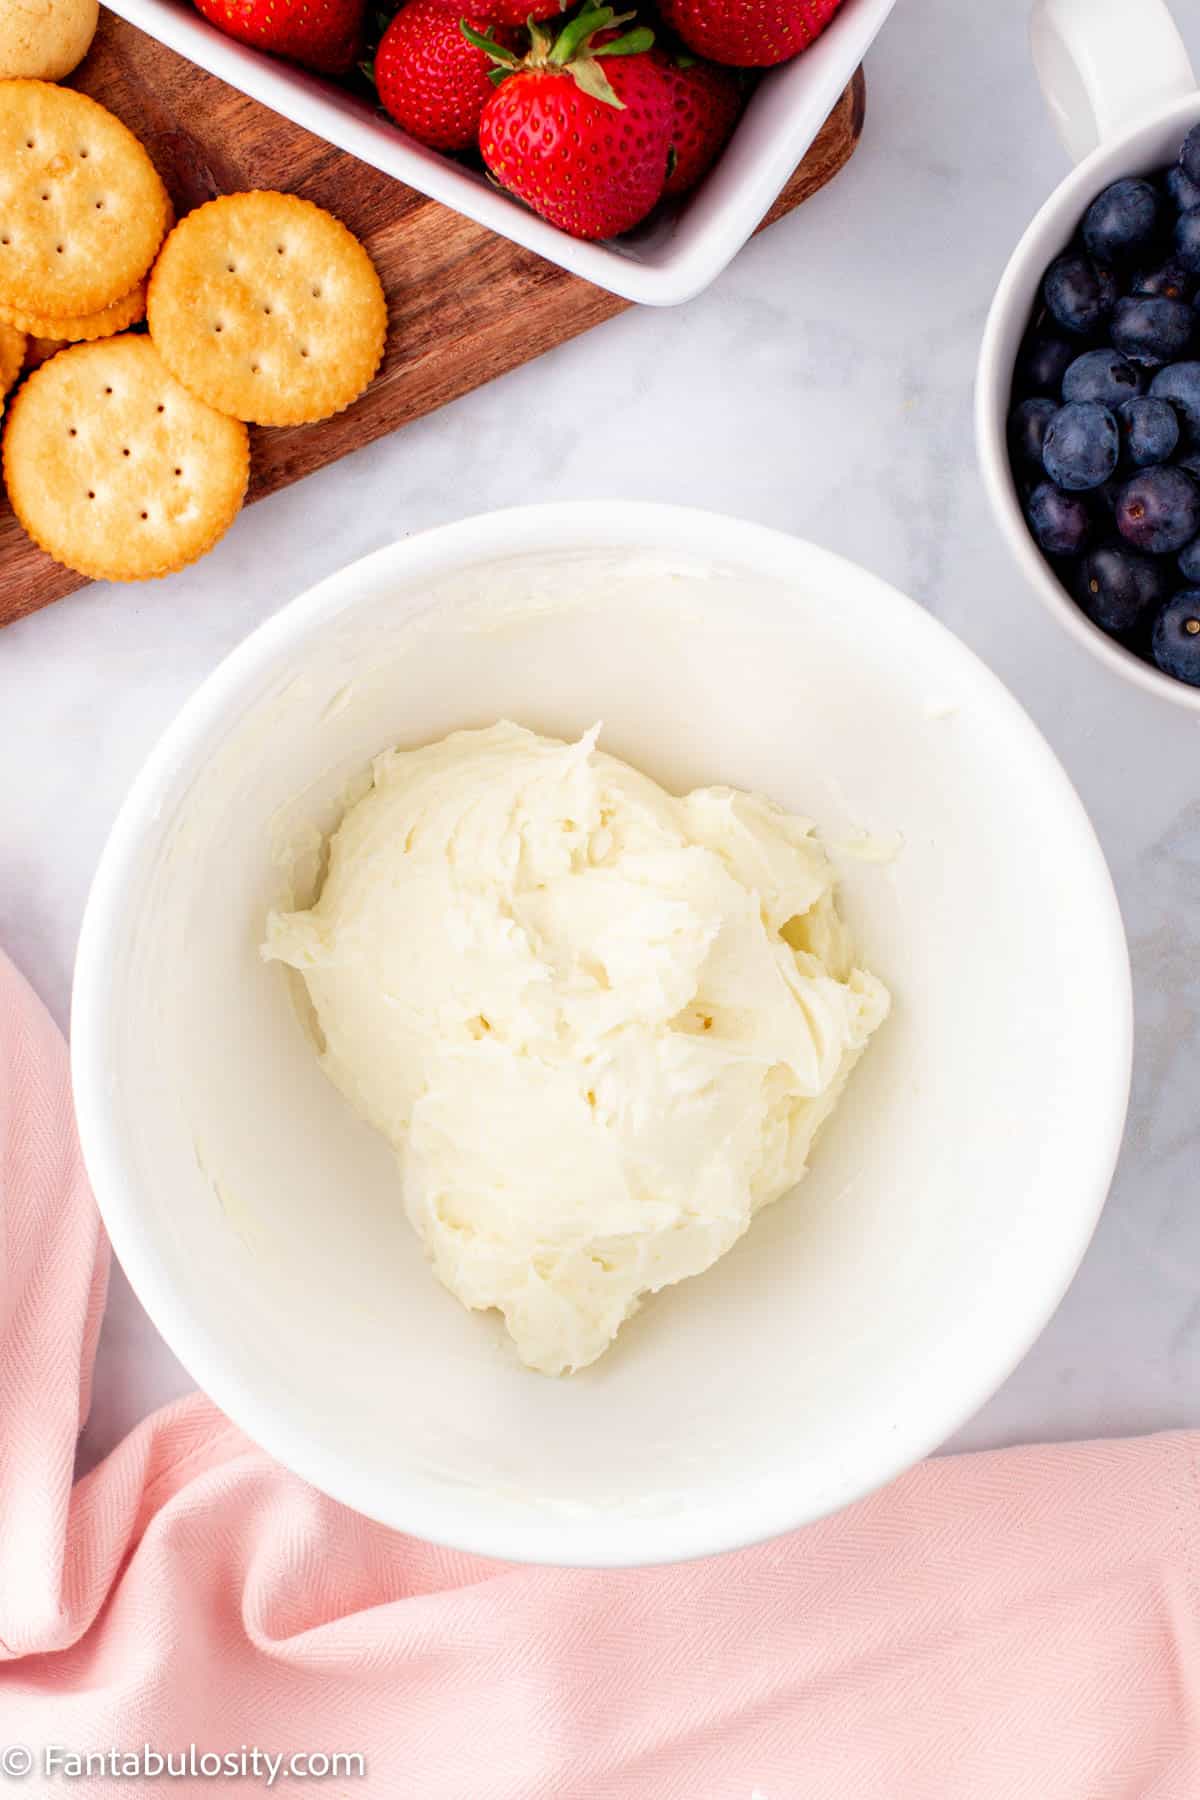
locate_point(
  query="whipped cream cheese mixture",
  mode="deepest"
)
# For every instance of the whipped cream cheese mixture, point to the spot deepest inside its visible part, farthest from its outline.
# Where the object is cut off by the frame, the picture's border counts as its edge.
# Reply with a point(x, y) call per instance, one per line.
point(599, 1024)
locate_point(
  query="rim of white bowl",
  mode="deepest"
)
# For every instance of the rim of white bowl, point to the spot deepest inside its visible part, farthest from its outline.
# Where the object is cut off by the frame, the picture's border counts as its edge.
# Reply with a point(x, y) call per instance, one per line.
point(993, 384)
point(458, 1518)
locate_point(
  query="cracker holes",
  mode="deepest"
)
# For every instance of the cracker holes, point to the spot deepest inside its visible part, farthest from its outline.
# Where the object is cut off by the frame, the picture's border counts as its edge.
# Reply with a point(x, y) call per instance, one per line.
point(160, 407)
point(126, 451)
point(72, 432)
point(84, 154)
point(145, 515)
point(29, 144)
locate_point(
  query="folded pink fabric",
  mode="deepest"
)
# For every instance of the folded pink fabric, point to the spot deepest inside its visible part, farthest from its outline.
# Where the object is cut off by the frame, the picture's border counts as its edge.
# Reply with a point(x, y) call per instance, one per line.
point(1007, 1625)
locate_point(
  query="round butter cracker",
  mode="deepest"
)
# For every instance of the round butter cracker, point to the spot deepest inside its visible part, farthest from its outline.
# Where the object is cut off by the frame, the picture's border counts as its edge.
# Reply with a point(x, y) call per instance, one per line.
point(118, 317)
point(82, 207)
point(115, 469)
point(45, 39)
point(268, 308)
point(12, 356)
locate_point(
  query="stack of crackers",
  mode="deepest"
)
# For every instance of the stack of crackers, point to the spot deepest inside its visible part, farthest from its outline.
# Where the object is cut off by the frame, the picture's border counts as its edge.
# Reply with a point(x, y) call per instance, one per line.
point(126, 453)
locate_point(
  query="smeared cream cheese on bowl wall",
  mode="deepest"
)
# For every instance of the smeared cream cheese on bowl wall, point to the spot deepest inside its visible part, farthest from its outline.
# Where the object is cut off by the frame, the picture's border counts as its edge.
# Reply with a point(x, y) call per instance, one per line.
point(599, 1025)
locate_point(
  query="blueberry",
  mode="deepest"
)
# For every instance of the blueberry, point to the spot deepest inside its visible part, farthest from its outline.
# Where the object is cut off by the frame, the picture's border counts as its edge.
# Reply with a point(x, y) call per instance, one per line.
point(1104, 498)
point(1169, 281)
point(1079, 293)
point(1118, 588)
point(1175, 639)
point(1081, 446)
point(1042, 363)
point(1189, 156)
point(1187, 239)
point(1189, 562)
point(1122, 220)
point(1150, 329)
point(1149, 430)
point(1190, 463)
point(1180, 384)
point(1184, 192)
point(1102, 375)
point(1059, 521)
point(1027, 424)
point(1159, 510)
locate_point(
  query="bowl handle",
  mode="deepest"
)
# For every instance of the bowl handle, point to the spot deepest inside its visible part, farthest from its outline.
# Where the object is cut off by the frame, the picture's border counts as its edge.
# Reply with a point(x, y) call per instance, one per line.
point(1104, 63)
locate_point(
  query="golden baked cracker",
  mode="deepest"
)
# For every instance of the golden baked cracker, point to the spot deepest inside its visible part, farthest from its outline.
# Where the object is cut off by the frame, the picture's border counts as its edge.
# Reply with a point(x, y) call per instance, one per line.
point(118, 317)
point(117, 470)
point(268, 308)
point(12, 356)
point(45, 38)
point(82, 208)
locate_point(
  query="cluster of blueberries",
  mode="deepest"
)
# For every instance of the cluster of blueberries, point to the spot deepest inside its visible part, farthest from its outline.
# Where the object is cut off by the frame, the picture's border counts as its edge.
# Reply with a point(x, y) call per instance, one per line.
point(1104, 431)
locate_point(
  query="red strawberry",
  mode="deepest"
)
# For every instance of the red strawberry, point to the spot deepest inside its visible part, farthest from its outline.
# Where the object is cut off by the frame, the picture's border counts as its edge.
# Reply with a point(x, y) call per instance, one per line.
point(322, 34)
point(707, 101)
point(750, 34)
point(431, 80)
point(583, 142)
point(516, 12)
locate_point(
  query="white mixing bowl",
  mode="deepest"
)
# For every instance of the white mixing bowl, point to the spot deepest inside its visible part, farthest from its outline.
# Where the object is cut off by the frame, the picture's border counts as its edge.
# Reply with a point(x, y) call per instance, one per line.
point(863, 1317)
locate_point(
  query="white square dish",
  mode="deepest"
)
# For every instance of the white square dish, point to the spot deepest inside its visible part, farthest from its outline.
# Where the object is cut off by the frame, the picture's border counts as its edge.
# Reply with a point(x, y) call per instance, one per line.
point(662, 265)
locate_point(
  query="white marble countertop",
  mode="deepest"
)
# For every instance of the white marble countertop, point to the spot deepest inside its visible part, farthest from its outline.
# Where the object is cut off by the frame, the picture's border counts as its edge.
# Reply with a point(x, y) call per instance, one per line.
point(823, 385)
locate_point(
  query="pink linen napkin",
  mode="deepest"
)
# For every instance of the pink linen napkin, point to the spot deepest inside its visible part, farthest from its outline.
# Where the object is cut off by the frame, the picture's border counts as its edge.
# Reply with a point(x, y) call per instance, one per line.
point(994, 1627)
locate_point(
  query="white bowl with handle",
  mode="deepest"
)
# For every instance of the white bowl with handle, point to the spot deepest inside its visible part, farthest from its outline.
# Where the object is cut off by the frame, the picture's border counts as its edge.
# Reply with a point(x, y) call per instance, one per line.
point(669, 261)
point(1122, 93)
point(863, 1317)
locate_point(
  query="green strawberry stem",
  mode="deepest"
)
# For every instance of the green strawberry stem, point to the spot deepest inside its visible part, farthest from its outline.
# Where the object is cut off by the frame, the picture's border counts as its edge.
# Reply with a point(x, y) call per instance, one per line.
point(573, 37)
point(572, 51)
point(506, 60)
point(590, 78)
point(632, 44)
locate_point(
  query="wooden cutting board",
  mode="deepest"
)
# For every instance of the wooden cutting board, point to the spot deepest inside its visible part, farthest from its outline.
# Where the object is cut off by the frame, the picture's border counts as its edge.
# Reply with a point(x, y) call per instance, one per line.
point(465, 305)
